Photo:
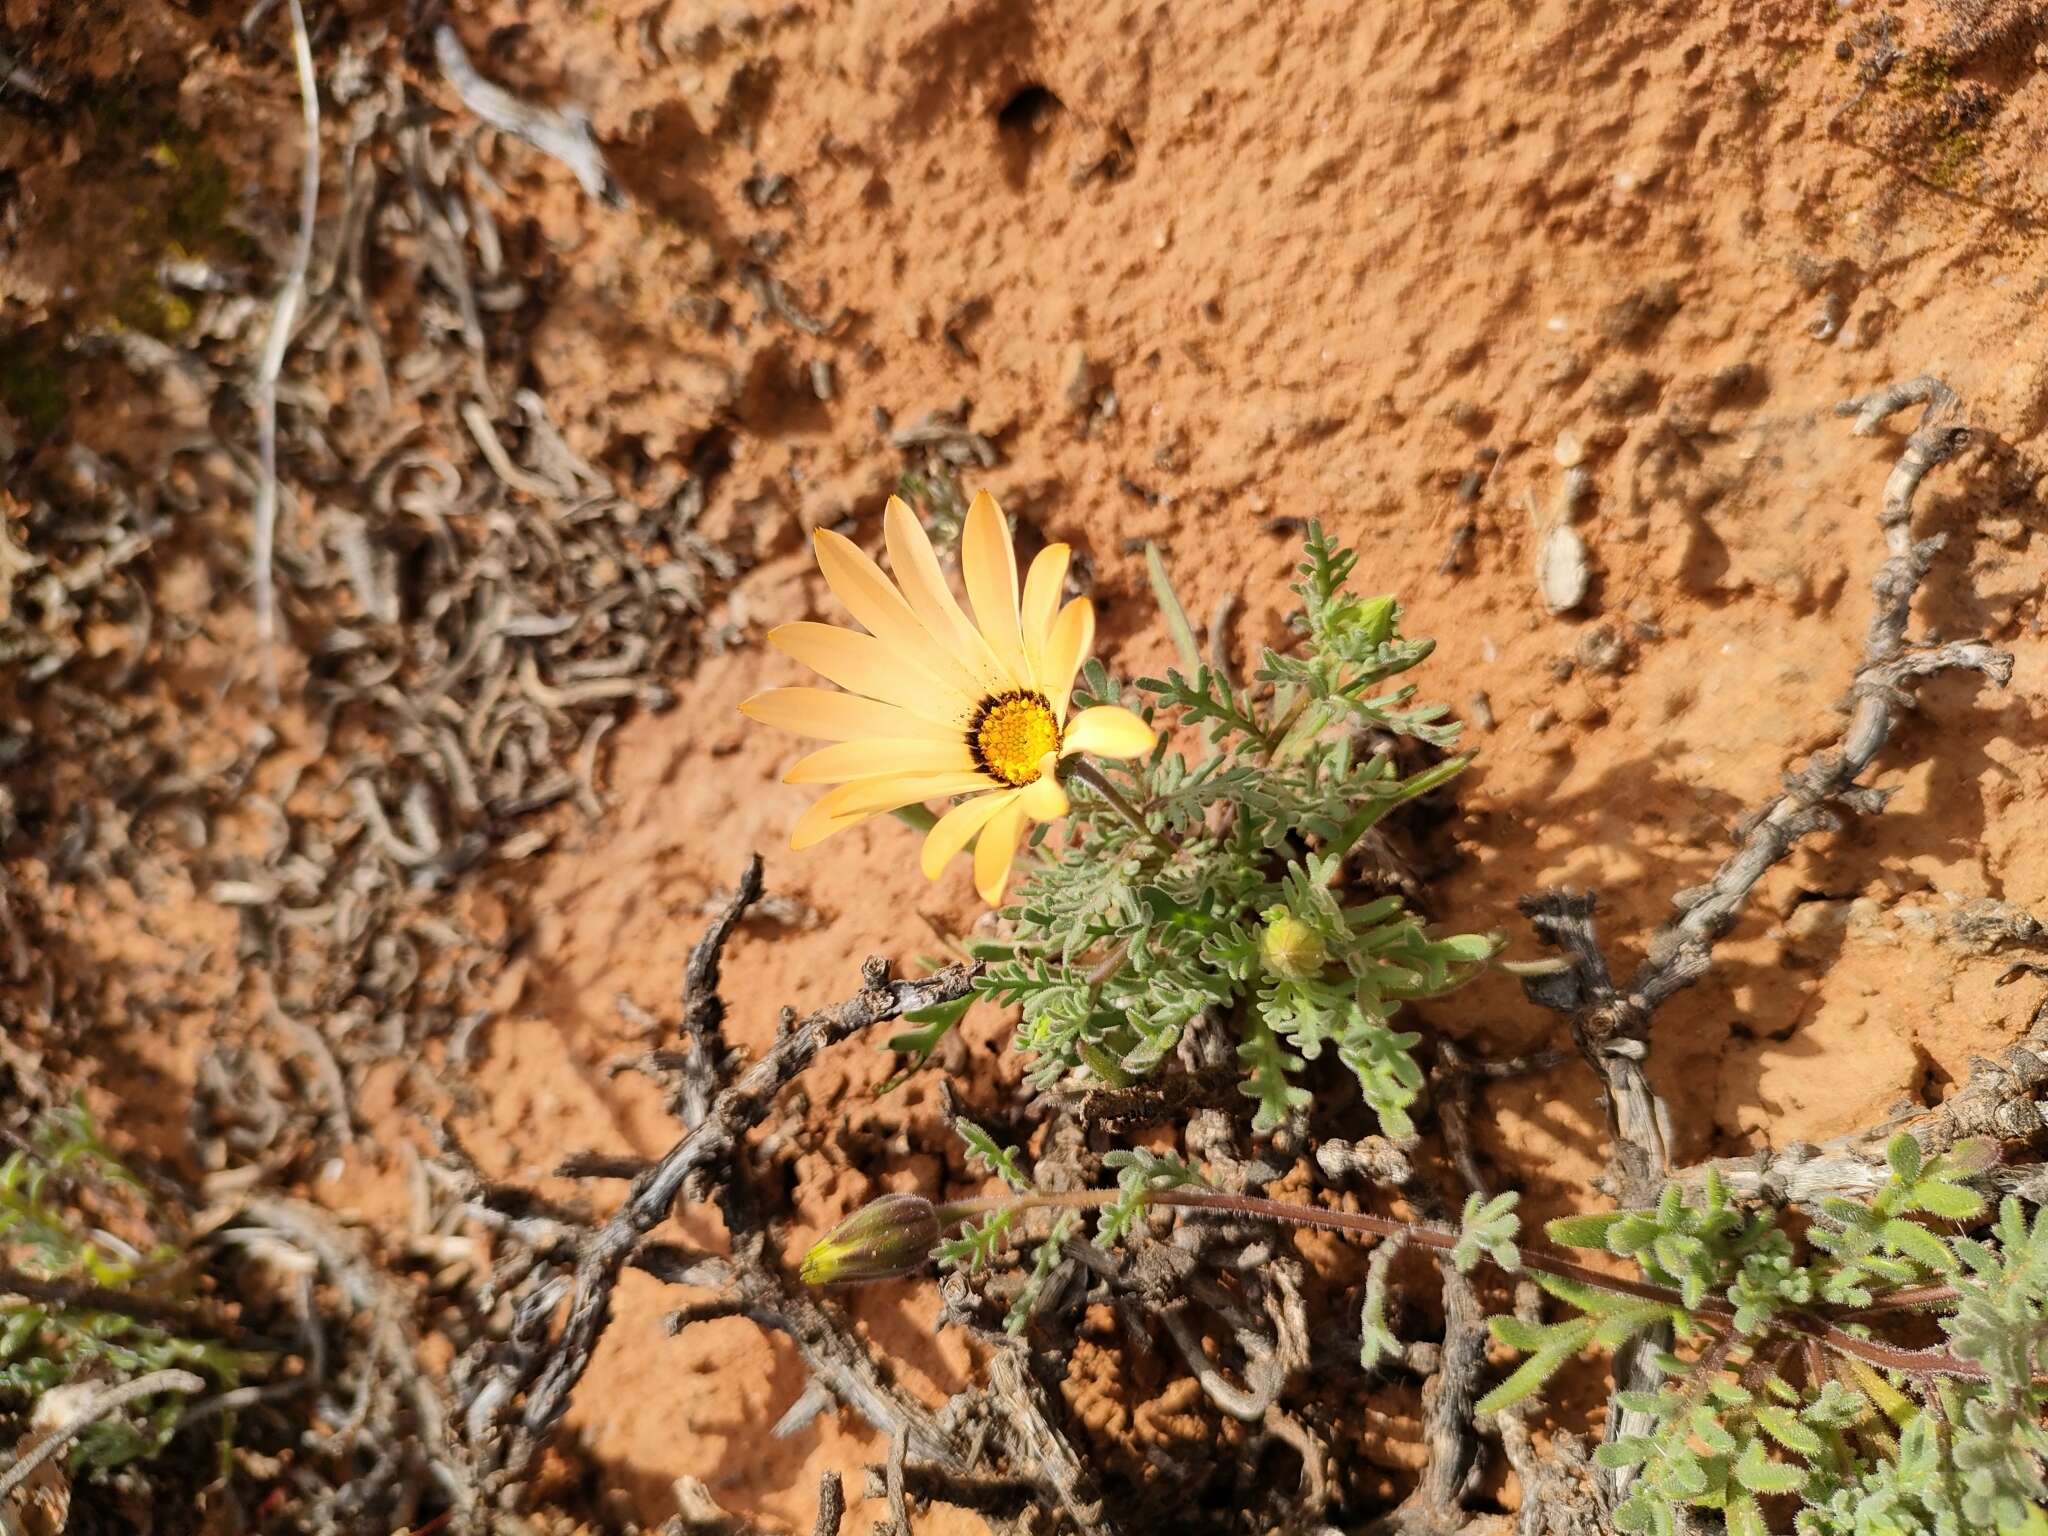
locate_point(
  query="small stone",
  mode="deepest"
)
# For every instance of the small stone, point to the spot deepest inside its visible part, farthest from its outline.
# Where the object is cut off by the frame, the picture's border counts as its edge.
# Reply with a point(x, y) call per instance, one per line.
point(1077, 378)
point(1815, 919)
point(1561, 570)
point(1543, 720)
point(1570, 450)
point(1571, 495)
point(1918, 918)
point(1601, 651)
point(2041, 56)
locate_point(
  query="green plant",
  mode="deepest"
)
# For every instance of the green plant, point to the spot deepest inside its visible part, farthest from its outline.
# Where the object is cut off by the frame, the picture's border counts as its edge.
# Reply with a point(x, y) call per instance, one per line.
point(1784, 1390)
point(89, 1303)
point(1218, 882)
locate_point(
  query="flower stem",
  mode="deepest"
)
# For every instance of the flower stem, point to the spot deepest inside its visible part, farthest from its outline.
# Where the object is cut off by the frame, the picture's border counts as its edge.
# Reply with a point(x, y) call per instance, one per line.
point(1442, 1240)
point(1089, 774)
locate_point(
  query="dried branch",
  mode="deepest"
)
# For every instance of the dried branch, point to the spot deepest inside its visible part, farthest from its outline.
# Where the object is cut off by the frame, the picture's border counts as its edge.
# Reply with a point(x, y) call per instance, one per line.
point(271, 365)
point(2001, 1102)
point(548, 1380)
point(565, 136)
point(831, 1505)
point(704, 1009)
point(398, 1411)
point(834, 1354)
point(1611, 1025)
point(1032, 1438)
point(96, 1407)
point(1611, 1033)
point(1679, 955)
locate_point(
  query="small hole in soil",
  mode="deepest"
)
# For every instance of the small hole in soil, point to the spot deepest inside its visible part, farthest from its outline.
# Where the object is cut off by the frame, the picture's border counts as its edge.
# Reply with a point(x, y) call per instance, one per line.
point(1028, 110)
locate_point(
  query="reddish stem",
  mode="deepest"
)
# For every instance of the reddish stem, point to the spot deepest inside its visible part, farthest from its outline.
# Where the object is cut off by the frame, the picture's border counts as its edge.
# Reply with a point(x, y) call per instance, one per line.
point(1889, 1357)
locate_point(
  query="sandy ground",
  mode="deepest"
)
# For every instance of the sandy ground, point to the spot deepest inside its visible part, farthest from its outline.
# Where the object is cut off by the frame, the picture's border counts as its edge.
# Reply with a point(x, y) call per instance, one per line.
point(1200, 273)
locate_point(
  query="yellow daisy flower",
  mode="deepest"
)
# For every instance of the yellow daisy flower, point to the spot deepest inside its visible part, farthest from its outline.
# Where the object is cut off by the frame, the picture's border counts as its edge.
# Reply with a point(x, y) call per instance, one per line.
point(938, 705)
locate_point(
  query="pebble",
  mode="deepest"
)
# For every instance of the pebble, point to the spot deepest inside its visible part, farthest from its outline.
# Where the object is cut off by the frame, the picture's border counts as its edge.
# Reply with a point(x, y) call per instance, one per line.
point(1561, 570)
point(1570, 450)
point(1572, 494)
point(1601, 651)
point(1077, 378)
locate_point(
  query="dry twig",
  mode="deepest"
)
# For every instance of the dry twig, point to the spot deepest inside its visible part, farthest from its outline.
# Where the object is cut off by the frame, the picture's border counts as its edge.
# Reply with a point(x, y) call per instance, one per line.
point(565, 136)
point(98, 1406)
point(1611, 1025)
point(282, 318)
point(707, 1152)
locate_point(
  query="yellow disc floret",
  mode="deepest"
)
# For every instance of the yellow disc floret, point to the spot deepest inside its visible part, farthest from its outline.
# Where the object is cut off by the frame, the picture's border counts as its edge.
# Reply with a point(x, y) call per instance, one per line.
point(1010, 735)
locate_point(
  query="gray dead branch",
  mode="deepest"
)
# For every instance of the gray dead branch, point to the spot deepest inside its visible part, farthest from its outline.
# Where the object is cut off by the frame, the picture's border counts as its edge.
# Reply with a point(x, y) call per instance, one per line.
point(2001, 1102)
point(516, 1395)
point(1611, 1024)
point(564, 135)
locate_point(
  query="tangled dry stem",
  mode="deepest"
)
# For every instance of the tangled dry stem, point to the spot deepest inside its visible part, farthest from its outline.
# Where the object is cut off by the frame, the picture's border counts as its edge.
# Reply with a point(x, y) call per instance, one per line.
point(528, 1393)
point(1611, 1025)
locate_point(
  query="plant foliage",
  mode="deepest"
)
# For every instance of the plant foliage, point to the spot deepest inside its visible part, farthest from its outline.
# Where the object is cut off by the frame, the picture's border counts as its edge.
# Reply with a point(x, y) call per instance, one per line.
point(1759, 1404)
point(1230, 897)
point(53, 1193)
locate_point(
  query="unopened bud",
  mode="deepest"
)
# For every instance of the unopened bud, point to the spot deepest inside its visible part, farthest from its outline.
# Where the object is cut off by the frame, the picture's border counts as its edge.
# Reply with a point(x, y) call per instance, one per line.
point(883, 1240)
point(1290, 948)
point(1374, 618)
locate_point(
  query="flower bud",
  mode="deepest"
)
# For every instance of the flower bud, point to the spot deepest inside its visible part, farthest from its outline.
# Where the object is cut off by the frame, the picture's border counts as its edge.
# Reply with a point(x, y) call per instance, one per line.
point(883, 1240)
point(1370, 619)
point(1290, 948)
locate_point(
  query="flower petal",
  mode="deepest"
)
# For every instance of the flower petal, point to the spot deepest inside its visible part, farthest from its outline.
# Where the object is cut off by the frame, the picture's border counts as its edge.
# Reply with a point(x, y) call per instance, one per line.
point(1107, 730)
point(840, 716)
point(880, 609)
point(1072, 637)
point(956, 829)
point(995, 850)
point(917, 572)
point(848, 805)
point(870, 756)
point(823, 817)
point(989, 564)
point(1042, 584)
point(1044, 799)
point(868, 666)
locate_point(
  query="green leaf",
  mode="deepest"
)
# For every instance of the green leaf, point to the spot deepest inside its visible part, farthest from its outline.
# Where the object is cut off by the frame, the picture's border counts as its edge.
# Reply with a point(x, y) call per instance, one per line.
point(1518, 1334)
point(1001, 1161)
point(1950, 1202)
point(1784, 1427)
point(935, 1021)
point(1628, 1451)
point(1589, 1231)
point(1920, 1245)
point(1745, 1517)
point(1903, 1153)
point(1527, 1379)
point(1488, 1228)
point(1757, 1472)
point(1177, 626)
point(1567, 1340)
